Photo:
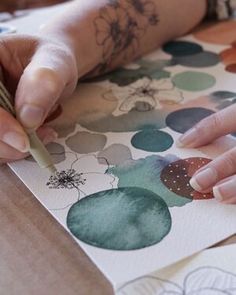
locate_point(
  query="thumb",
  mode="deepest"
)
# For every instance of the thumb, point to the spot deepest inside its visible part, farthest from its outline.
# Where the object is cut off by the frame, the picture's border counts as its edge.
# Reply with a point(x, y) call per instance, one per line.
point(44, 80)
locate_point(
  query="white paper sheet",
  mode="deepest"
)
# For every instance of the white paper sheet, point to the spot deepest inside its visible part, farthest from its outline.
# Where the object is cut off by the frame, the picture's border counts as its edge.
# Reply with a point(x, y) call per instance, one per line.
point(212, 272)
point(86, 143)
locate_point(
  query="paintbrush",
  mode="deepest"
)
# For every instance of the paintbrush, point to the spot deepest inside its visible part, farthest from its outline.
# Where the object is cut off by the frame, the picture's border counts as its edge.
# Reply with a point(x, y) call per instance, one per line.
point(37, 148)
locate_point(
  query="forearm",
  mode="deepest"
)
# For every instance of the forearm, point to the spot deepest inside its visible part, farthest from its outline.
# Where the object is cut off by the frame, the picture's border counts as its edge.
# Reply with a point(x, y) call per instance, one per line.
point(105, 34)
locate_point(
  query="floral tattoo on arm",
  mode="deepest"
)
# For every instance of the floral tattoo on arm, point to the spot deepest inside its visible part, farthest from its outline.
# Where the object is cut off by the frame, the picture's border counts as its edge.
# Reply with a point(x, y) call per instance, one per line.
point(120, 26)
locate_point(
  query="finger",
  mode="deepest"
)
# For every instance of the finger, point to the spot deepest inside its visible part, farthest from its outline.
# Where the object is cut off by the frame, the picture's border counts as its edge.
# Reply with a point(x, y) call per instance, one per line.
point(15, 54)
point(48, 76)
point(230, 201)
point(214, 172)
point(210, 128)
point(9, 154)
point(11, 133)
point(225, 191)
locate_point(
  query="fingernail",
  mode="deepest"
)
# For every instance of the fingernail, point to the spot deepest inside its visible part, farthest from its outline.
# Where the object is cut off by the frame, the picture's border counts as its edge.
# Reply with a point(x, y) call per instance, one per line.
point(204, 179)
point(187, 138)
point(16, 140)
point(225, 190)
point(31, 116)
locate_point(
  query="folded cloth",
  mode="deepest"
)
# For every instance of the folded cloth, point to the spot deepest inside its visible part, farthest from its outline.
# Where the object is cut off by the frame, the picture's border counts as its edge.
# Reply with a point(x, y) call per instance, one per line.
point(220, 9)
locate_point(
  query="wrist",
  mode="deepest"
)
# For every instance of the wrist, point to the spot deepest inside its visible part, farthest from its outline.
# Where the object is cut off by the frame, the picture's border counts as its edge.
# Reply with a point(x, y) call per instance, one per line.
point(78, 39)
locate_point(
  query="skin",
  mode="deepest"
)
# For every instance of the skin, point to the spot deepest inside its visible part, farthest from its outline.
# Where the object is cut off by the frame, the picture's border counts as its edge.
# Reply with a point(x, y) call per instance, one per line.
point(219, 174)
point(67, 54)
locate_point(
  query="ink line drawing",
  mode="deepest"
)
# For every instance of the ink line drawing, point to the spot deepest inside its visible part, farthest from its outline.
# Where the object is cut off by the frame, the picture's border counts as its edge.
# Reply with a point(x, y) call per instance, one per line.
point(204, 280)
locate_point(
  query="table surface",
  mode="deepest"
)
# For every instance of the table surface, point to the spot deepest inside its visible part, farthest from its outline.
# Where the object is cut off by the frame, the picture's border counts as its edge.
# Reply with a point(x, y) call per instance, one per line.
point(37, 256)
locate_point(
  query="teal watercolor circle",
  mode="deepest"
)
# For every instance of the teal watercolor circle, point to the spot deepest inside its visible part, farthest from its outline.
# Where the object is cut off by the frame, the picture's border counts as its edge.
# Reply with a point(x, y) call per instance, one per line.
point(120, 219)
point(182, 48)
point(152, 140)
point(193, 81)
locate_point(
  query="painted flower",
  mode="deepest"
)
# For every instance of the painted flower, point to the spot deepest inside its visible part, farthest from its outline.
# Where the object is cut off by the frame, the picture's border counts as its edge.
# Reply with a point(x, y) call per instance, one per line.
point(146, 91)
point(111, 26)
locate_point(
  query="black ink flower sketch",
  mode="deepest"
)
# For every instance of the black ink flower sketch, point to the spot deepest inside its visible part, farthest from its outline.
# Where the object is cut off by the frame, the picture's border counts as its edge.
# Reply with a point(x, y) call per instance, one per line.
point(68, 179)
point(84, 176)
point(202, 281)
point(120, 26)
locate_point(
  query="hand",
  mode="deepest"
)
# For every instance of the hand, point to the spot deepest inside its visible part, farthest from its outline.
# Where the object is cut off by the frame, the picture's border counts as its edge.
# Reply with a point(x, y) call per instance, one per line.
point(220, 174)
point(39, 72)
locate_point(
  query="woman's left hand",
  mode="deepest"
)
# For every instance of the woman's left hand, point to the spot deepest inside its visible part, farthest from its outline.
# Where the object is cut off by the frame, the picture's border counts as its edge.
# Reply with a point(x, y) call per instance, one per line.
point(220, 174)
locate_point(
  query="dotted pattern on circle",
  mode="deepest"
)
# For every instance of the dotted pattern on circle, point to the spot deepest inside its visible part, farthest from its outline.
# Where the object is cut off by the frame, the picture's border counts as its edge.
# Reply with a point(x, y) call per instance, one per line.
point(184, 119)
point(176, 177)
point(193, 81)
point(152, 141)
point(182, 48)
point(120, 219)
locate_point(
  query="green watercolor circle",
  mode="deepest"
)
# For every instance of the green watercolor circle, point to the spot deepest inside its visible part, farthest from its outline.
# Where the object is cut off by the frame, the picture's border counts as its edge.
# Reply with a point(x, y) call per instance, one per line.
point(120, 219)
point(152, 140)
point(193, 81)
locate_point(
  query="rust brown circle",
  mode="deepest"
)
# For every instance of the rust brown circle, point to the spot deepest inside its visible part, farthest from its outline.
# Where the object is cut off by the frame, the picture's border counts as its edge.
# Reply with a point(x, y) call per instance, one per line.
point(228, 56)
point(231, 68)
point(176, 177)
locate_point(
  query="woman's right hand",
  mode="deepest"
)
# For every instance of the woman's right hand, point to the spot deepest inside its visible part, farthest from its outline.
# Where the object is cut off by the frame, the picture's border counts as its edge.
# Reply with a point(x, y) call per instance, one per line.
point(38, 72)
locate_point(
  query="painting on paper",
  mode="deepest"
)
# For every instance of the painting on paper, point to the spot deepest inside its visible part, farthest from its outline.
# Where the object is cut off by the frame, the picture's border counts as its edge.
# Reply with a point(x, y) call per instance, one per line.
point(122, 187)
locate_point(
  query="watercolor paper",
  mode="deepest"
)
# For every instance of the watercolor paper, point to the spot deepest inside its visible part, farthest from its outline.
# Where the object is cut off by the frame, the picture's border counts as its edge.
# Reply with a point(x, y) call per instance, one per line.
point(122, 188)
point(212, 272)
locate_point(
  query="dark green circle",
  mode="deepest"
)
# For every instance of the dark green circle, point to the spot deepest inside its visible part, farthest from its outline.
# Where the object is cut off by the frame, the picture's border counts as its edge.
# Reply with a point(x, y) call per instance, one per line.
point(152, 140)
point(182, 48)
point(120, 219)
